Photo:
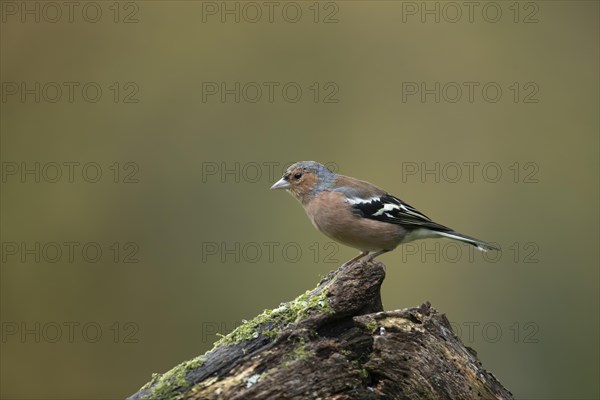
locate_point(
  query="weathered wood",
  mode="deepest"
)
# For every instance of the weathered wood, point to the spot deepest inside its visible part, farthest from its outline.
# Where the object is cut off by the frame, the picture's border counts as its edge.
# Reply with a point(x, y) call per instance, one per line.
point(334, 342)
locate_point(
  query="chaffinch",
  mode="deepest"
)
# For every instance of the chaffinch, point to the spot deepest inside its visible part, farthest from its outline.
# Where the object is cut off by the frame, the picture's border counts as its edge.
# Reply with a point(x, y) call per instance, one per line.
point(359, 214)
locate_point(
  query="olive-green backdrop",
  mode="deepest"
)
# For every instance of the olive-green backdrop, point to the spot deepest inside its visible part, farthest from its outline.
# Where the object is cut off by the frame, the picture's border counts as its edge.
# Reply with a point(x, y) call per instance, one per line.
point(139, 140)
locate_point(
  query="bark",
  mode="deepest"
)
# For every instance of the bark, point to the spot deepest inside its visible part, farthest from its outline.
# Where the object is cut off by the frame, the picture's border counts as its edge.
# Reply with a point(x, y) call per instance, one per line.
point(335, 342)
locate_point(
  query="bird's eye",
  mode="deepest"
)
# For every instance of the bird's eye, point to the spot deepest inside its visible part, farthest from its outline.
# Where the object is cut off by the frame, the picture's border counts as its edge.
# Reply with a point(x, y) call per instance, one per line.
point(298, 175)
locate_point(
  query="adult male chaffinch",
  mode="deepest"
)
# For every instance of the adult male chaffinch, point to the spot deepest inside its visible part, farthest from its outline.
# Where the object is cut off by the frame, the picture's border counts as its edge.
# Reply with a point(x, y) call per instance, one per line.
point(359, 214)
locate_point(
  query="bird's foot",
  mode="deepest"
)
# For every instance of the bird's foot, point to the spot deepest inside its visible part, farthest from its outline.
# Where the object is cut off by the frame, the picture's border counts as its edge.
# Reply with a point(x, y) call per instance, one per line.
point(343, 266)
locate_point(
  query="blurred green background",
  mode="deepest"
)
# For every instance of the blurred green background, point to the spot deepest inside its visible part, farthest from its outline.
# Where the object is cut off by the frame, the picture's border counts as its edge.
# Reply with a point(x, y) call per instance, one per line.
point(191, 239)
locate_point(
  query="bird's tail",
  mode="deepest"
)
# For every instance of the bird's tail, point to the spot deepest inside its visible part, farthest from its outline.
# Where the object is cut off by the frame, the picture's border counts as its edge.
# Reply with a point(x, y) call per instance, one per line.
point(481, 245)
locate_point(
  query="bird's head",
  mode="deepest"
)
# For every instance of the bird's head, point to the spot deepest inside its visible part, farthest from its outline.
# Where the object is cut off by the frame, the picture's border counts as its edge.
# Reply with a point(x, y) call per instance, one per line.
point(304, 179)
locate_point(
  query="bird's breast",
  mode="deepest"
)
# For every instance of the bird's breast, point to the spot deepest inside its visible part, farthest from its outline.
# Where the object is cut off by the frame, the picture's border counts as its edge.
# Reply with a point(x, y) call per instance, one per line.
point(331, 214)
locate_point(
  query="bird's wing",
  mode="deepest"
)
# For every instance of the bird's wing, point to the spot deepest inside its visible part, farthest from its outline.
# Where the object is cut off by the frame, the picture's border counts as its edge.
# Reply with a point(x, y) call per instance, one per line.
point(387, 208)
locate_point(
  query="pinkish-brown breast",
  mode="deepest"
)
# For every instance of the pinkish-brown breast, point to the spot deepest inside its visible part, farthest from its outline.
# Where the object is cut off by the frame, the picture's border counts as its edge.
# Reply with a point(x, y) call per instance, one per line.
point(332, 215)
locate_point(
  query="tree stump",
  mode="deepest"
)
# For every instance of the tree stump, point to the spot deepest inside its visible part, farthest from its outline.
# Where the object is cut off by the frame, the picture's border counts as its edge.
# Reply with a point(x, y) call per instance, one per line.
point(334, 342)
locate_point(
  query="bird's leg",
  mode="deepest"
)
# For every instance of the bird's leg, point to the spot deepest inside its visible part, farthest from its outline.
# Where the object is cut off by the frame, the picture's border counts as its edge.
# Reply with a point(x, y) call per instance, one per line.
point(352, 261)
point(344, 265)
point(371, 256)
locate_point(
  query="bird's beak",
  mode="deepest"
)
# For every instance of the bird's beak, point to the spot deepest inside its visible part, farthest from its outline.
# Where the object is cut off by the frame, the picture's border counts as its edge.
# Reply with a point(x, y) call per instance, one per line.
point(281, 184)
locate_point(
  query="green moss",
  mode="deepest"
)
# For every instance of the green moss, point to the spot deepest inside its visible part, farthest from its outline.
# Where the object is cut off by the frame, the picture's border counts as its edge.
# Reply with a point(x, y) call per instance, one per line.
point(300, 352)
point(270, 322)
point(363, 373)
point(305, 304)
point(164, 386)
point(371, 325)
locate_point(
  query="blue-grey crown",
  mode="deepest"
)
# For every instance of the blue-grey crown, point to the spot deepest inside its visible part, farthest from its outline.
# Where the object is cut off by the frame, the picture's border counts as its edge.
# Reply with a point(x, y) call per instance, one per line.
point(325, 175)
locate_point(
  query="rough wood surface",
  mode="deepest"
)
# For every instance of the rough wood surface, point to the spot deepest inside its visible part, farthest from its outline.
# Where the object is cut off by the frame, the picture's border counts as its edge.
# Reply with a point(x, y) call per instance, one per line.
point(334, 342)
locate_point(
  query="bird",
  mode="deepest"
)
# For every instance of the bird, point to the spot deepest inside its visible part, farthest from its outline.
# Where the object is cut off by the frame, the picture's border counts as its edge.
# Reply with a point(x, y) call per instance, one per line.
point(359, 214)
